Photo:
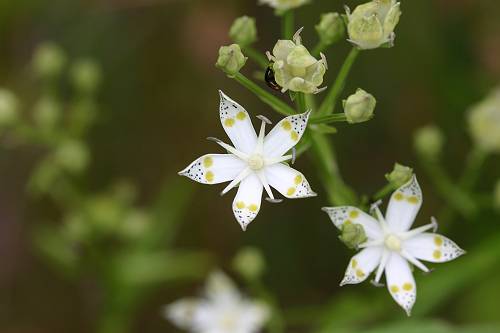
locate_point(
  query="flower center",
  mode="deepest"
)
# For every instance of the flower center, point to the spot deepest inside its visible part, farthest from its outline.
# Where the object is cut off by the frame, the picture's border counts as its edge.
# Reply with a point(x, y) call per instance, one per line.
point(255, 162)
point(393, 243)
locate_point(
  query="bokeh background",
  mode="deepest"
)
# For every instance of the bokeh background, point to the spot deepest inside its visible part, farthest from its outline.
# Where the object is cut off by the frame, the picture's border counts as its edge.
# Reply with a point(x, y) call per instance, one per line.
point(157, 103)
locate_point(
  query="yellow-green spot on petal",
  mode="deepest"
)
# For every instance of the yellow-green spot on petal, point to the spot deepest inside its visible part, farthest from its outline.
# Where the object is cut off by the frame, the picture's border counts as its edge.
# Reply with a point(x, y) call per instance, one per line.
point(399, 196)
point(436, 254)
point(354, 263)
point(294, 136)
point(253, 207)
point(408, 286)
point(360, 273)
point(241, 115)
point(290, 191)
point(209, 176)
point(298, 179)
point(438, 240)
point(229, 122)
point(353, 214)
point(413, 200)
point(240, 205)
point(286, 125)
point(208, 162)
point(347, 222)
point(394, 289)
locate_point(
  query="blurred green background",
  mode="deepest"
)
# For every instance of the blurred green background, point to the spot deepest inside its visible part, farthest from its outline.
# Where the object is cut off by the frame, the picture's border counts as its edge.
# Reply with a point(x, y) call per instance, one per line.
point(157, 103)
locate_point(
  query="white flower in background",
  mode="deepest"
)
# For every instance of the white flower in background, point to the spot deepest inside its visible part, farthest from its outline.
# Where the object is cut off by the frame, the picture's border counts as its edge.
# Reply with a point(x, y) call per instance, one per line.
point(255, 162)
point(283, 5)
point(391, 247)
point(295, 68)
point(222, 310)
point(484, 122)
point(372, 24)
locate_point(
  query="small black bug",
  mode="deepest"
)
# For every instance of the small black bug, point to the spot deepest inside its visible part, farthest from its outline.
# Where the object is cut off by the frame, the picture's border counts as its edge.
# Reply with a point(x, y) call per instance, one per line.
point(269, 78)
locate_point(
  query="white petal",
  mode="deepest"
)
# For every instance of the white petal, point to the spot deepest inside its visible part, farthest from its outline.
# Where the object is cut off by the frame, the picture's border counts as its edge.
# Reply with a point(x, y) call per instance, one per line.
point(362, 264)
point(214, 168)
point(182, 312)
point(285, 135)
point(348, 214)
point(433, 247)
point(220, 288)
point(253, 316)
point(404, 205)
point(400, 282)
point(237, 124)
point(246, 204)
point(288, 181)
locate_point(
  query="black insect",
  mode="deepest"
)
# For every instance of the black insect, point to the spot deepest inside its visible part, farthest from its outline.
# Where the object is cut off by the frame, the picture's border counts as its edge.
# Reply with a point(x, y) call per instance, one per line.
point(269, 78)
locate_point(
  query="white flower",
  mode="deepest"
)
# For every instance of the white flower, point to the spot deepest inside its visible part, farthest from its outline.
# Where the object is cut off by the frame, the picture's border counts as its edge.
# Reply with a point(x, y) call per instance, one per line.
point(283, 5)
point(222, 310)
point(391, 246)
point(255, 162)
point(295, 68)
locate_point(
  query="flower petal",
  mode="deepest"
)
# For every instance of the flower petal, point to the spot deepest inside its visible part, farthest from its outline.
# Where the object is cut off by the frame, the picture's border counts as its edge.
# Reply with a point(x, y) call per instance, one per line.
point(347, 214)
point(283, 48)
point(433, 247)
point(237, 124)
point(404, 205)
point(214, 168)
point(362, 264)
point(220, 288)
point(400, 282)
point(285, 135)
point(288, 181)
point(182, 312)
point(246, 204)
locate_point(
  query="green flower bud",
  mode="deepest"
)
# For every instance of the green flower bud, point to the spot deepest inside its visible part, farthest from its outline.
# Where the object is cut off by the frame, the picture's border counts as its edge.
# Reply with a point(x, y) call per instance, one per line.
point(49, 60)
point(104, 213)
point(135, 224)
point(359, 107)
point(8, 108)
point(330, 28)
point(249, 263)
point(283, 5)
point(484, 123)
point(428, 141)
point(353, 235)
point(72, 156)
point(86, 76)
point(231, 59)
point(496, 198)
point(295, 68)
point(47, 113)
point(371, 25)
point(243, 31)
point(400, 175)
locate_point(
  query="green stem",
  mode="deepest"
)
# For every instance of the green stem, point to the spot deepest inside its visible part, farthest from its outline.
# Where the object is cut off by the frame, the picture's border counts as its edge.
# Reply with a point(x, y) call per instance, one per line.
point(300, 100)
point(320, 47)
point(288, 24)
point(328, 105)
point(256, 56)
point(383, 192)
point(475, 161)
point(274, 102)
point(333, 118)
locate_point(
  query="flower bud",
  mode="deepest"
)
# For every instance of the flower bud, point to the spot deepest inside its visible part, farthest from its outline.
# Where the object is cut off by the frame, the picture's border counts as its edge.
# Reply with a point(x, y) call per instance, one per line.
point(353, 235)
point(249, 263)
point(8, 108)
point(359, 107)
point(371, 25)
point(243, 31)
point(428, 141)
point(330, 28)
point(86, 76)
point(295, 68)
point(72, 156)
point(484, 123)
point(400, 175)
point(47, 113)
point(231, 59)
point(283, 5)
point(49, 60)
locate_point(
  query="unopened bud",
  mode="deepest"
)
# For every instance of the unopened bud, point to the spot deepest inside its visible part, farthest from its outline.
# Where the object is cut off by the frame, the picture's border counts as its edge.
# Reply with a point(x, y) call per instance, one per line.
point(359, 107)
point(231, 59)
point(243, 31)
point(400, 175)
point(429, 141)
point(352, 235)
point(47, 113)
point(72, 156)
point(49, 60)
point(86, 76)
point(8, 108)
point(330, 28)
point(249, 263)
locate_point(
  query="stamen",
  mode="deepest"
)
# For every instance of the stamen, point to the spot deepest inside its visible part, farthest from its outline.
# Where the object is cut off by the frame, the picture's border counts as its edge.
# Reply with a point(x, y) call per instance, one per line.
point(371, 243)
point(374, 208)
point(414, 261)
point(263, 180)
point(296, 37)
point(320, 90)
point(229, 148)
point(377, 284)
point(242, 175)
point(274, 200)
point(271, 161)
point(270, 56)
point(417, 231)
point(294, 155)
point(324, 60)
point(260, 140)
point(381, 266)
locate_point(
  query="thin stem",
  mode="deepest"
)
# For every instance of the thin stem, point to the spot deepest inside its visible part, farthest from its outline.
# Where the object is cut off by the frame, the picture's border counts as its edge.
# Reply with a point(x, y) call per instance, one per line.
point(300, 101)
point(274, 102)
point(320, 47)
point(256, 56)
point(383, 192)
point(288, 24)
point(333, 118)
point(328, 105)
point(475, 161)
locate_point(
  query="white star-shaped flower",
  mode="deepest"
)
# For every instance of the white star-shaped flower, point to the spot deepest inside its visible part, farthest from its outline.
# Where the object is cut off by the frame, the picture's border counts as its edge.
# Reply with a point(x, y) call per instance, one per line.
point(391, 245)
point(255, 162)
point(222, 310)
